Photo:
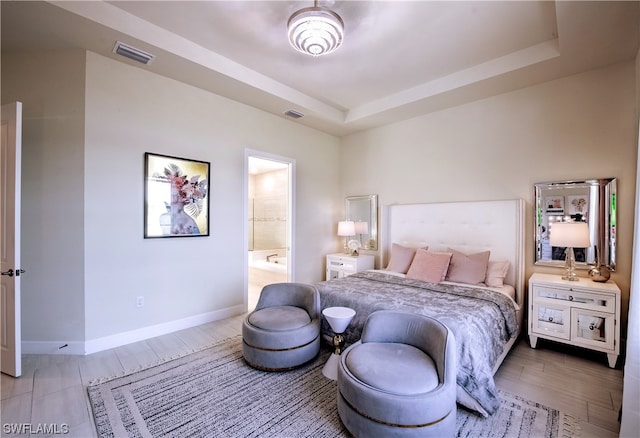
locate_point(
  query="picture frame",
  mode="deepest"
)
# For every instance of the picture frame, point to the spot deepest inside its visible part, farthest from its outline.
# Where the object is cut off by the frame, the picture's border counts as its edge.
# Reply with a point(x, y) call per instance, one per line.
point(554, 204)
point(578, 205)
point(176, 196)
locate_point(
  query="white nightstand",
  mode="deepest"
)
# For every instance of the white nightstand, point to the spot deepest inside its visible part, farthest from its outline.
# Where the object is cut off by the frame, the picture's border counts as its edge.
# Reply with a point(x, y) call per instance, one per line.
point(583, 313)
point(342, 265)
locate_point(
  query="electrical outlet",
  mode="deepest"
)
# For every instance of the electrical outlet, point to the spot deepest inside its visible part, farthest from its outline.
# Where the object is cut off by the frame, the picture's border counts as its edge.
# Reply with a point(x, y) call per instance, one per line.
point(140, 301)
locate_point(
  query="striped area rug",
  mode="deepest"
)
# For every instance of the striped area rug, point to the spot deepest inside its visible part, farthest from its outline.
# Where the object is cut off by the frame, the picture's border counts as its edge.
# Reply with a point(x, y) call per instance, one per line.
point(213, 393)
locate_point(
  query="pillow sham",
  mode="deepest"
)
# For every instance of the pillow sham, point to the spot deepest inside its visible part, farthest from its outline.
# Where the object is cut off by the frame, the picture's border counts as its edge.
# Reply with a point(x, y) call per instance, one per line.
point(496, 273)
point(401, 258)
point(429, 266)
point(467, 268)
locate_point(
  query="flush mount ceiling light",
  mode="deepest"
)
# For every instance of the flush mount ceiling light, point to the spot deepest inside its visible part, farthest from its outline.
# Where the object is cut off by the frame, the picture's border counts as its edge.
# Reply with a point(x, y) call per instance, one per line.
point(315, 30)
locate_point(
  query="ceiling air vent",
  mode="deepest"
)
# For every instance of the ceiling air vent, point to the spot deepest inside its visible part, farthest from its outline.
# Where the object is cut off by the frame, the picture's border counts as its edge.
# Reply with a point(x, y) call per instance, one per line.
point(132, 53)
point(293, 114)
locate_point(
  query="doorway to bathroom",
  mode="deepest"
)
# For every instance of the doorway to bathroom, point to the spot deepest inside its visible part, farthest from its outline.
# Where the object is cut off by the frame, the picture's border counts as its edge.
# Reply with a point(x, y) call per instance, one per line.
point(269, 222)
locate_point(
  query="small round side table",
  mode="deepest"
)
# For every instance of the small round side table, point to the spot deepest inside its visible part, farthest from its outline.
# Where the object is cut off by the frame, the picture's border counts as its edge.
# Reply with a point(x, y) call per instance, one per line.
point(339, 319)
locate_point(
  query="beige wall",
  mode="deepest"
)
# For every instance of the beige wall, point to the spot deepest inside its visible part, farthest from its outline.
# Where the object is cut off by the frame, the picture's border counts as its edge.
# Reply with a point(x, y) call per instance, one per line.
point(51, 88)
point(268, 207)
point(87, 126)
point(630, 422)
point(130, 111)
point(578, 127)
point(83, 180)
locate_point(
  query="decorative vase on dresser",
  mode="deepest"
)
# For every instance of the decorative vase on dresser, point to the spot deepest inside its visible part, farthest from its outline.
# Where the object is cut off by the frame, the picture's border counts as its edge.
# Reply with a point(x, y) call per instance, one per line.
point(581, 313)
point(342, 265)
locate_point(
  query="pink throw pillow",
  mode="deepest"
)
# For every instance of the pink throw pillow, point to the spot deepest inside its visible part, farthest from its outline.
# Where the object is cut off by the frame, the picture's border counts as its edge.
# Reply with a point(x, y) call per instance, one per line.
point(401, 258)
point(496, 273)
point(429, 266)
point(468, 268)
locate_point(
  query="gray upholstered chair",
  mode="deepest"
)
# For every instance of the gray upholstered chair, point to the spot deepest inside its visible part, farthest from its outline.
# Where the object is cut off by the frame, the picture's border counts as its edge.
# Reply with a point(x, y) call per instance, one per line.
point(399, 380)
point(283, 331)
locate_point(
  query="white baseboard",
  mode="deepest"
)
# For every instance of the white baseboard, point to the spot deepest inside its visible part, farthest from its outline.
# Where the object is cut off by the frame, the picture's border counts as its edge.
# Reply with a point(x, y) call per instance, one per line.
point(53, 347)
point(124, 338)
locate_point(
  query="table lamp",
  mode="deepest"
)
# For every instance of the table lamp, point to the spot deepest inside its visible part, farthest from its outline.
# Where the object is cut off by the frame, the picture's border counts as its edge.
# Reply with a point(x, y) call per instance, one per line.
point(346, 229)
point(361, 228)
point(570, 235)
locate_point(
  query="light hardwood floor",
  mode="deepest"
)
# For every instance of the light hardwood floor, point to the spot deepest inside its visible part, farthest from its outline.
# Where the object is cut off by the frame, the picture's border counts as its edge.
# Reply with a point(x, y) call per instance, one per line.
point(570, 379)
point(52, 389)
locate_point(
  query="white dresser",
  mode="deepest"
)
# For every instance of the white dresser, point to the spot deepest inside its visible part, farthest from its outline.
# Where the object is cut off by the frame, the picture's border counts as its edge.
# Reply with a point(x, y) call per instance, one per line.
point(342, 265)
point(583, 313)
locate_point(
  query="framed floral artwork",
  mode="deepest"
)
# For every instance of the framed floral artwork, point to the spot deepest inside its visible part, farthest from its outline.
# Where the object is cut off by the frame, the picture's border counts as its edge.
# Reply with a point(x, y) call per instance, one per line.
point(176, 201)
point(578, 206)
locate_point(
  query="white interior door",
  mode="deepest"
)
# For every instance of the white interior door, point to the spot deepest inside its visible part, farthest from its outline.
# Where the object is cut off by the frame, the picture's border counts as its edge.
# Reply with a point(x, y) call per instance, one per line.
point(10, 162)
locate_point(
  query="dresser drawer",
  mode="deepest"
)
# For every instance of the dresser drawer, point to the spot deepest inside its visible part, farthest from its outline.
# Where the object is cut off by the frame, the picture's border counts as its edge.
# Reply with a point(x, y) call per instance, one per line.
point(551, 320)
point(341, 263)
point(575, 297)
point(592, 329)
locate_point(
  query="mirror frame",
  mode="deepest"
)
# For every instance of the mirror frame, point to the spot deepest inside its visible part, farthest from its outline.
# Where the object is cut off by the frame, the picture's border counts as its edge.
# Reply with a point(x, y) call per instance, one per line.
point(364, 202)
point(602, 226)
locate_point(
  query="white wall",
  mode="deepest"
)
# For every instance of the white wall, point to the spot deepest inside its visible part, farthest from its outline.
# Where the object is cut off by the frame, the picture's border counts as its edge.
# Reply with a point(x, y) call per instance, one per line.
point(578, 127)
point(130, 111)
point(87, 125)
point(630, 422)
point(51, 87)
point(268, 210)
point(83, 242)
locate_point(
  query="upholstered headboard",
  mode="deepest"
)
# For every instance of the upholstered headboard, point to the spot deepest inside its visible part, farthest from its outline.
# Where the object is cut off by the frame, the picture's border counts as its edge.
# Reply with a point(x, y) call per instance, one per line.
point(497, 226)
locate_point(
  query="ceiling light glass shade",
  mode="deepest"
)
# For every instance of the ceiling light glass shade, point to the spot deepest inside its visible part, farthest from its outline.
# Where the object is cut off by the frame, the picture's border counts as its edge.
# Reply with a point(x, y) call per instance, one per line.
point(315, 31)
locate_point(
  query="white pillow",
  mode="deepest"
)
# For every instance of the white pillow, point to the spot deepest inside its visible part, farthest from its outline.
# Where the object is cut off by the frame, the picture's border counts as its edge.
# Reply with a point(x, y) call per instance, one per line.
point(496, 273)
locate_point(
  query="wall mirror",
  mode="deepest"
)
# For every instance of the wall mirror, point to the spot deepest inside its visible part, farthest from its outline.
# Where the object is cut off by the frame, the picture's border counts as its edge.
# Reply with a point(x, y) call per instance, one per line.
point(592, 201)
point(363, 210)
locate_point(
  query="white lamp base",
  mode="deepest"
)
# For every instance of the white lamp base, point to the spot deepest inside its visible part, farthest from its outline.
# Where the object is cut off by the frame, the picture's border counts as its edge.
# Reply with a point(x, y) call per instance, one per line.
point(570, 264)
point(330, 369)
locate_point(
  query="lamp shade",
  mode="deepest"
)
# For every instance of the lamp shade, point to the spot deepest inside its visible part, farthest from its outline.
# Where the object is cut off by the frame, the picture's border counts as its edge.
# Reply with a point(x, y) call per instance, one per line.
point(346, 228)
point(362, 227)
point(570, 234)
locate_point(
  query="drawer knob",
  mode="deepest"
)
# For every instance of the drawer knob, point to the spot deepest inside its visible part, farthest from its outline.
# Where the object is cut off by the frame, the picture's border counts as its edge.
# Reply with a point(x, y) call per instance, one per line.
point(551, 319)
point(570, 297)
point(591, 326)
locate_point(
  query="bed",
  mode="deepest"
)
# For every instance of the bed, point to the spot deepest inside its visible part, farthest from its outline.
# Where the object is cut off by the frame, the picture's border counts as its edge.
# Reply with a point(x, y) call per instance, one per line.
point(486, 321)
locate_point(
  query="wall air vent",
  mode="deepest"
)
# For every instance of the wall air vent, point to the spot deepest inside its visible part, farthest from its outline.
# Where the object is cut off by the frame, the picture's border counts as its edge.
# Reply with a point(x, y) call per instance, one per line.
point(132, 53)
point(293, 114)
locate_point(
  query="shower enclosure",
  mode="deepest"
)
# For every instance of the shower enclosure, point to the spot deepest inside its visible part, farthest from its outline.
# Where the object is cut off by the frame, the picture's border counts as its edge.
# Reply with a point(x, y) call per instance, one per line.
point(268, 226)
